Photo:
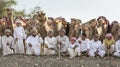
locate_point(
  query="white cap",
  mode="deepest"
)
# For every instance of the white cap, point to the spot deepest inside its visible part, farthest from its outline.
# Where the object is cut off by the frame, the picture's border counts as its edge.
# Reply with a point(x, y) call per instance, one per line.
point(18, 21)
point(62, 31)
point(50, 31)
point(34, 30)
point(7, 30)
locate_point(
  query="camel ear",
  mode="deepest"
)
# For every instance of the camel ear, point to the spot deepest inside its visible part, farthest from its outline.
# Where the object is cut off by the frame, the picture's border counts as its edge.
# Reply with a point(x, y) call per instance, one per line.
point(78, 21)
point(72, 18)
point(92, 20)
point(42, 13)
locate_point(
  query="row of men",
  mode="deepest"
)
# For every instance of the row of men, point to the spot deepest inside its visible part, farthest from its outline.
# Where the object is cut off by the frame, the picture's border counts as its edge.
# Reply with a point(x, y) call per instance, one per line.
point(54, 45)
point(61, 43)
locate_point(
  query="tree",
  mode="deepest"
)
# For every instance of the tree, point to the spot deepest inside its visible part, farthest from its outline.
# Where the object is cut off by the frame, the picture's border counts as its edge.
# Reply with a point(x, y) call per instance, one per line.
point(4, 4)
point(19, 13)
point(34, 11)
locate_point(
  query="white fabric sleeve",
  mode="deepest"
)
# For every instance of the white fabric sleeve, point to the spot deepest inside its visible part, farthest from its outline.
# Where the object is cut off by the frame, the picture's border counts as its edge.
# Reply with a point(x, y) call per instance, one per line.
point(40, 40)
point(46, 42)
point(24, 35)
point(14, 34)
point(12, 43)
point(116, 46)
point(55, 41)
point(27, 41)
point(88, 43)
point(66, 41)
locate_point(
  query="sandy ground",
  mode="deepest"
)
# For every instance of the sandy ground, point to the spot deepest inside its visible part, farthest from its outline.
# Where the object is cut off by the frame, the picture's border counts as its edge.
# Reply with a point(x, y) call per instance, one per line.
point(54, 61)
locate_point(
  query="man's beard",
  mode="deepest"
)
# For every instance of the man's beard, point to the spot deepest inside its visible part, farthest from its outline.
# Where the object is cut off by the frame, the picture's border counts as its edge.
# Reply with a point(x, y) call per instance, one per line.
point(34, 35)
point(7, 35)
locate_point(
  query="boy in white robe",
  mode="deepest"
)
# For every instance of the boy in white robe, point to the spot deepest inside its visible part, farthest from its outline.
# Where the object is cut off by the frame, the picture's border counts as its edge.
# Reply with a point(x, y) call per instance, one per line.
point(33, 43)
point(96, 47)
point(19, 36)
point(74, 48)
point(84, 44)
point(117, 48)
point(7, 43)
point(50, 43)
point(62, 41)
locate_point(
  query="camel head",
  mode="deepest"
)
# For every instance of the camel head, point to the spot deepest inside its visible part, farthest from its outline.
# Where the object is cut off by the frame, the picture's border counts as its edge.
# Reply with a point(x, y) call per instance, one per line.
point(41, 16)
point(78, 24)
point(93, 22)
point(50, 20)
point(3, 21)
point(114, 23)
point(60, 23)
point(102, 21)
point(73, 21)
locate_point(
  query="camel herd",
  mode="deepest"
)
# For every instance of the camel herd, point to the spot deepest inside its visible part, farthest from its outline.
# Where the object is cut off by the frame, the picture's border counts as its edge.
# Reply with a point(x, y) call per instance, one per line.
point(43, 24)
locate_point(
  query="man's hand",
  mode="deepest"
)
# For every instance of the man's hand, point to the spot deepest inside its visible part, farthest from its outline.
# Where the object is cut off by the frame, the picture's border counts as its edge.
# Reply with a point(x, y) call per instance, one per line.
point(108, 47)
point(75, 47)
point(46, 46)
point(30, 45)
point(23, 40)
point(79, 42)
point(51, 48)
point(59, 43)
point(7, 44)
point(87, 51)
point(96, 53)
point(16, 39)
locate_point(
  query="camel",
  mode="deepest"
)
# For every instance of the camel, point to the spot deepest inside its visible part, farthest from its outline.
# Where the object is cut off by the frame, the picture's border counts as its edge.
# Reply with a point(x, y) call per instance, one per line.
point(72, 24)
point(90, 28)
point(2, 26)
point(60, 24)
point(5, 23)
point(37, 22)
point(86, 29)
point(23, 22)
point(115, 29)
point(102, 27)
point(44, 24)
point(75, 28)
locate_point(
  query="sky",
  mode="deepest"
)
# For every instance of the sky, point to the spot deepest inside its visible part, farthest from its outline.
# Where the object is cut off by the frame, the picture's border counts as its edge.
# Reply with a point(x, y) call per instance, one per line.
point(80, 9)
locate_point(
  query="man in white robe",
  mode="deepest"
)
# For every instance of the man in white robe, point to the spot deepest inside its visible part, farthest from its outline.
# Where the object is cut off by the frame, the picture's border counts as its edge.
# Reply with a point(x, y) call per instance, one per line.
point(33, 43)
point(7, 43)
point(74, 48)
point(62, 41)
point(84, 44)
point(117, 48)
point(19, 36)
point(50, 43)
point(96, 47)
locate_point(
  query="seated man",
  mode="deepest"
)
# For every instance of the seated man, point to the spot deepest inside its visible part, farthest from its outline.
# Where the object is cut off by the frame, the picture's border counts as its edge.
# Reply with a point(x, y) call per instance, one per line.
point(96, 47)
point(62, 41)
point(109, 44)
point(74, 48)
point(50, 43)
point(84, 44)
point(33, 43)
point(7, 43)
point(117, 48)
